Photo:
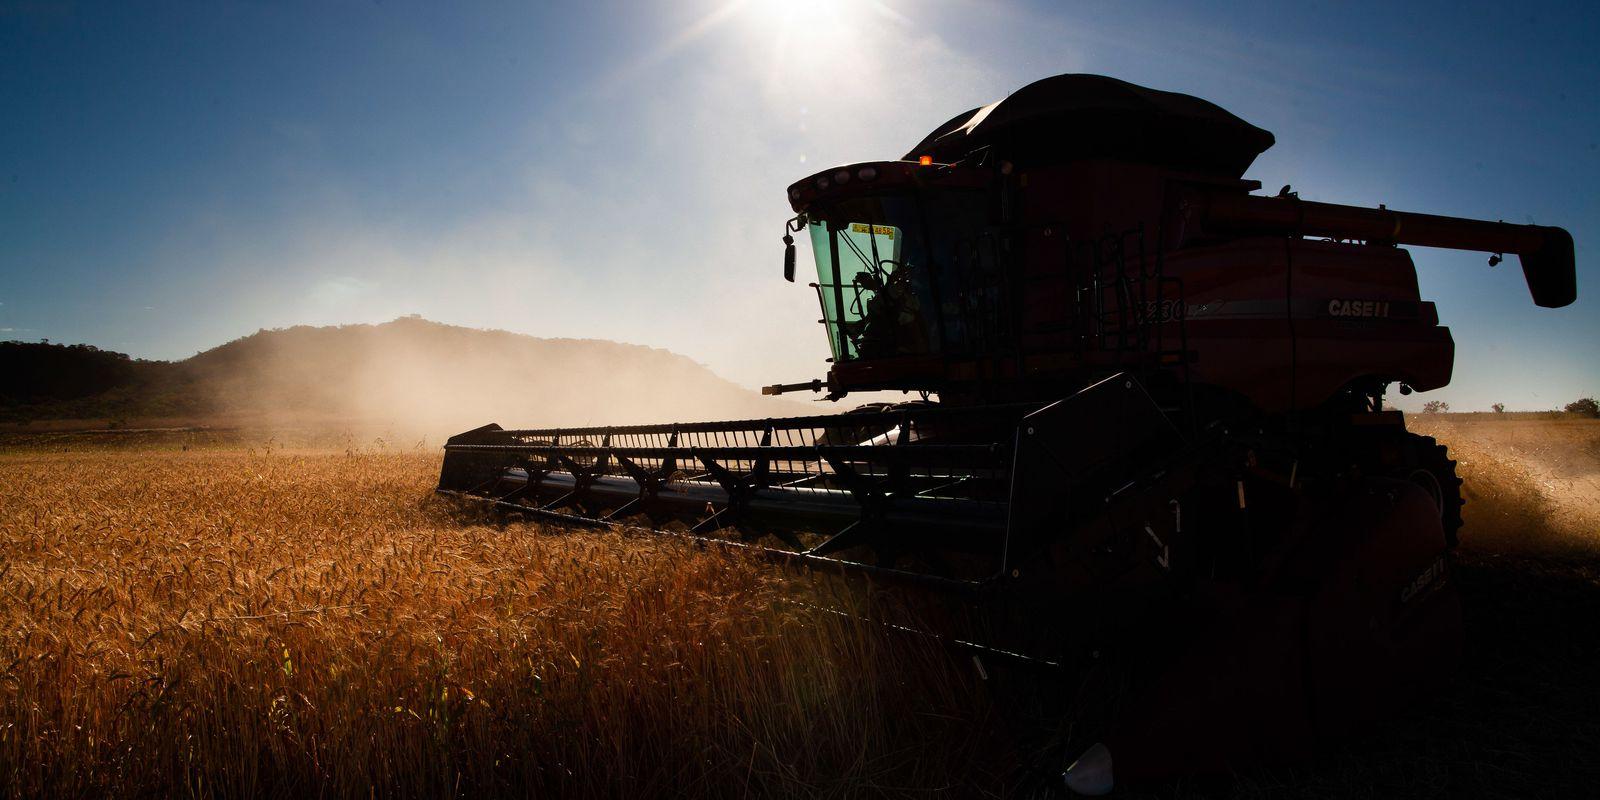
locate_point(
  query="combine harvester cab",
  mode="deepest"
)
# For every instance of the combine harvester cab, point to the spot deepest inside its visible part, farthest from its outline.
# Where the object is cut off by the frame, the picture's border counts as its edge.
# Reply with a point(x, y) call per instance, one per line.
point(1160, 424)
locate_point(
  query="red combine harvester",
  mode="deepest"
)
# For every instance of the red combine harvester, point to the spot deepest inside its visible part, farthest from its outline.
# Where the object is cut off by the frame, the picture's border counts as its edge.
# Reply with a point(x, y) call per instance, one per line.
point(1159, 421)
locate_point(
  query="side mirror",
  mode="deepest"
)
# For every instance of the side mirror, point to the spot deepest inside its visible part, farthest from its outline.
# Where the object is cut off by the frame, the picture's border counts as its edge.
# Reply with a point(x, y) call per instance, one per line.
point(788, 258)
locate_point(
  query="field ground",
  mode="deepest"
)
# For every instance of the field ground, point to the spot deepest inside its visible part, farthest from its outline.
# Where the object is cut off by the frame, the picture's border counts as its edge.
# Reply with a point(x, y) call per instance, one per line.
point(211, 613)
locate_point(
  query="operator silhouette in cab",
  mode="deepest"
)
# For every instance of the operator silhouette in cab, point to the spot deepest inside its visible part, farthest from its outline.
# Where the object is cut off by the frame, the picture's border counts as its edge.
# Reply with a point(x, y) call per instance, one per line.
point(892, 323)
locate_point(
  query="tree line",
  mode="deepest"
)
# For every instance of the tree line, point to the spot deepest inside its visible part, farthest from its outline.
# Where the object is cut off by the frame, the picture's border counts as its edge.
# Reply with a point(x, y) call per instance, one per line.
point(1586, 406)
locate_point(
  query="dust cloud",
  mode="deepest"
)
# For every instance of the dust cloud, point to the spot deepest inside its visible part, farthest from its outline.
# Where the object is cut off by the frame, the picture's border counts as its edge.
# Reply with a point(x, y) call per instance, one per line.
point(419, 378)
point(1532, 485)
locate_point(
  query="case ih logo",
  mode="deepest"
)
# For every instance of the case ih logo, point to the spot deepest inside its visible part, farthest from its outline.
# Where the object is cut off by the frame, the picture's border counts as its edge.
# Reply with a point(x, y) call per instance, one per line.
point(1426, 581)
point(1358, 308)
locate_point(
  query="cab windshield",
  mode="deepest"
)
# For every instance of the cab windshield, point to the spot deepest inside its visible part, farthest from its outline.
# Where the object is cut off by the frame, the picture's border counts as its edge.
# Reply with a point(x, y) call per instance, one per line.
point(904, 274)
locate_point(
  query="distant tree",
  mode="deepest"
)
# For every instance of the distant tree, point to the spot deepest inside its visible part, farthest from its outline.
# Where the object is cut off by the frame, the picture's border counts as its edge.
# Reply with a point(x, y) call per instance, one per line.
point(1499, 408)
point(1435, 407)
point(1585, 406)
point(35, 373)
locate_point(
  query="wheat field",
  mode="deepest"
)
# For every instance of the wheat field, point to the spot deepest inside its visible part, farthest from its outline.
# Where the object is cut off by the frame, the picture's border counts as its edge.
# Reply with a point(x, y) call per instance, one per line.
point(232, 622)
point(198, 617)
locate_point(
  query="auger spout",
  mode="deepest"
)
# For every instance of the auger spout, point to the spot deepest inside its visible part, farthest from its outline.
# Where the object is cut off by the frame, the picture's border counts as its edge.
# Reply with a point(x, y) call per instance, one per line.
point(1546, 252)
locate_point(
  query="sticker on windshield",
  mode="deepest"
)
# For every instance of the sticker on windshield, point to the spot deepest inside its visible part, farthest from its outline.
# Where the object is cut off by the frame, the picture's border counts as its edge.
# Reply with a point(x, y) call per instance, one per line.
point(880, 230)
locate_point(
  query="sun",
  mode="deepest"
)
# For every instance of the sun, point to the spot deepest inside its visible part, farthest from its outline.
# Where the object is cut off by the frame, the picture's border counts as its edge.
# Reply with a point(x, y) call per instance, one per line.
point(824, 40)
point(805, 20)
point(818, 42)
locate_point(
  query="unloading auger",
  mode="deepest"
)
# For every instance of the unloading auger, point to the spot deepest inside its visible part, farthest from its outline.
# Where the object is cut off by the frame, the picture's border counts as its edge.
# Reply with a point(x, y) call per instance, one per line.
point(1160, 420)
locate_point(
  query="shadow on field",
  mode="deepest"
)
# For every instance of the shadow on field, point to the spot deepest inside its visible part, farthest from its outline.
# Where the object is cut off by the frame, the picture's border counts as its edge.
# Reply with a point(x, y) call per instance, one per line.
point(1521, 717)
point(1517, 720)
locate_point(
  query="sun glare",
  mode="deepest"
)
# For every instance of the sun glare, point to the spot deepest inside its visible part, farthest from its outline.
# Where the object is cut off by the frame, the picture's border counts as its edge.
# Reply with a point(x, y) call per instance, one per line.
point(828, 41)
point(808, 19)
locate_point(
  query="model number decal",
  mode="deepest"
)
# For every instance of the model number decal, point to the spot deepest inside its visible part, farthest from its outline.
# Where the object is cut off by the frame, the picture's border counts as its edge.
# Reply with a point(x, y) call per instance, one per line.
point(1159, 311)
point(1358, 308)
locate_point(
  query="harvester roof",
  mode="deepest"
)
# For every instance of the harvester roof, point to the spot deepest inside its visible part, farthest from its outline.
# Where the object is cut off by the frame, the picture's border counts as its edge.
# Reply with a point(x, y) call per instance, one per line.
point(1073, 116)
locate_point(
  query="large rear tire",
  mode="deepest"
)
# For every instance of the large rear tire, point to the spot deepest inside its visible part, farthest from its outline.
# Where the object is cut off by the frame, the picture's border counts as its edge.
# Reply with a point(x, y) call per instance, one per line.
point(1427, 463)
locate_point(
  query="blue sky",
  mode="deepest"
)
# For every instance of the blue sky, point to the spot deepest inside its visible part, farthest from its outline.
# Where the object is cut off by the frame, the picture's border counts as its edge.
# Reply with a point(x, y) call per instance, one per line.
point(175, 176)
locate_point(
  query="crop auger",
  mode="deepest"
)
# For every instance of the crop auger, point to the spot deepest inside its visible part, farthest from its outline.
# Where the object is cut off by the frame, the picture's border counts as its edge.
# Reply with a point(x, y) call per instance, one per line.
point(1160, 420)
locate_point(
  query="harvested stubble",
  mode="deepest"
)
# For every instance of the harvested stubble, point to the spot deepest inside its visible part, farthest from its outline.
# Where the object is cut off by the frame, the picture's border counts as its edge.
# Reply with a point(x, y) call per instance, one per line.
point(231, 623)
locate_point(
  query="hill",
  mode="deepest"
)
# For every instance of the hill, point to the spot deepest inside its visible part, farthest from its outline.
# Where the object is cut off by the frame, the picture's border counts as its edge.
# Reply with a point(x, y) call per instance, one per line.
point(409, 374)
